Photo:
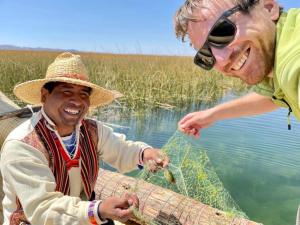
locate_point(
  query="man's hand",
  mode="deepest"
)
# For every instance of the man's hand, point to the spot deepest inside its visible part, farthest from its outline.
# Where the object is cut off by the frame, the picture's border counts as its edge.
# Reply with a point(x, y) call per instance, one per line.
point(155, 159)
point(192, 123)
point(119, 208)
point(248, 105)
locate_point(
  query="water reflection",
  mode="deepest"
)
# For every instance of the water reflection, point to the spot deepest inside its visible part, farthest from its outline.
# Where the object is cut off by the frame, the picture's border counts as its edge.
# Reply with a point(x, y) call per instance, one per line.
point(257, 158)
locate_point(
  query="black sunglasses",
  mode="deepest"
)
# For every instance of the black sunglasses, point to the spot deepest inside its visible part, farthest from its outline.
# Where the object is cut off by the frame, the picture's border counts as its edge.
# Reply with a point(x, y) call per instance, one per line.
point(221, 34)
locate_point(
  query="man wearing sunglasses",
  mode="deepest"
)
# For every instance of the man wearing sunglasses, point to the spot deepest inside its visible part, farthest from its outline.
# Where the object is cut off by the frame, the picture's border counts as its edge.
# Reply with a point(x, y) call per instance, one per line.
point(249, 39)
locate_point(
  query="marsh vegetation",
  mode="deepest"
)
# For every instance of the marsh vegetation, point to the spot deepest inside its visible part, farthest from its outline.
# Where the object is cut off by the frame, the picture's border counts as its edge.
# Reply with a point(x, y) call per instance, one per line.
point(147, 82)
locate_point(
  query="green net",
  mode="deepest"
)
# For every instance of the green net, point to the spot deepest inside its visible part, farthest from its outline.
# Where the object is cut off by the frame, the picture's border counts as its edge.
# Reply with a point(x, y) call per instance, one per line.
point(190, 173)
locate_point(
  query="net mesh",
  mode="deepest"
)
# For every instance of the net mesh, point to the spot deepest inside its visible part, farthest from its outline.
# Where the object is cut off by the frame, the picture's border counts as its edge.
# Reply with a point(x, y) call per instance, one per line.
point(191, 173)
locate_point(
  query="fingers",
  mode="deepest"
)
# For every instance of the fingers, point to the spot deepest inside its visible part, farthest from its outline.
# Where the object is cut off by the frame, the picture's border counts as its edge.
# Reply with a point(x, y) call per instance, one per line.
point(160, 162)
point(123, 202)
point(117, 208)
point(166, 162)
point(129, 203)
point(190, 125)
point(132, 203)
point(152, 166)
point(154, 159)
point(163, 159)
point(192, 131)
point(123, 215)
point(197, 134)
point(132, 199)
point(185, 118)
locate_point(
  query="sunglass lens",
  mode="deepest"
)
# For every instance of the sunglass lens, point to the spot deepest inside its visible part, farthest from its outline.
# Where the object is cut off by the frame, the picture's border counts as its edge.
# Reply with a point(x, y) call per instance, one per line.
point(205, 52)
point(204, 59)
point(222, 34)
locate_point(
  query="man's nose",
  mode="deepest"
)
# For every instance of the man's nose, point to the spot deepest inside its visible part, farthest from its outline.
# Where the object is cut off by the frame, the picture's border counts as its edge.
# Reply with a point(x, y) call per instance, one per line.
point(222, 57)
point(76, 100)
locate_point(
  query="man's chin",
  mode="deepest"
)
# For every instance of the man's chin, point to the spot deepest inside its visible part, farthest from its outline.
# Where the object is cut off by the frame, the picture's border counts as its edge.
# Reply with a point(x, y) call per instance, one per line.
point(71, 123)
point(247, 80)
point(252, 80)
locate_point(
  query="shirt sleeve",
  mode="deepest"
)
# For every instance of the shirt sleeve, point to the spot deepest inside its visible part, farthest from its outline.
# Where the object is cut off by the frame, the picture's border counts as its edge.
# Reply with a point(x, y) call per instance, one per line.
point(26, 170)
point(115, 150)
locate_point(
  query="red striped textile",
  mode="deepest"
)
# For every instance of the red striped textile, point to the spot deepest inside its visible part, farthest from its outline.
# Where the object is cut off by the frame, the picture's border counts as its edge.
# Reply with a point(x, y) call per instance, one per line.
point(60, 162)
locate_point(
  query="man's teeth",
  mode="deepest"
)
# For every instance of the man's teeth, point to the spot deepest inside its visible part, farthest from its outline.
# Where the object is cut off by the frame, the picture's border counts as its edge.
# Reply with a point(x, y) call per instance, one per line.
point(72, 111)
point(241, 62)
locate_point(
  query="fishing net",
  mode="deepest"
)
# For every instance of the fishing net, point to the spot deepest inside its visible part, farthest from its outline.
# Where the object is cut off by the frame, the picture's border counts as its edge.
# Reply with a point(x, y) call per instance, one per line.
point(190, 173)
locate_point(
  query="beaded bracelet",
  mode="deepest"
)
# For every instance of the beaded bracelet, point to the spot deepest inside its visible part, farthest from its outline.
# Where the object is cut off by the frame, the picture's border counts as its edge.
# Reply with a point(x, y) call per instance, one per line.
point(91, 214)
point(140, 165)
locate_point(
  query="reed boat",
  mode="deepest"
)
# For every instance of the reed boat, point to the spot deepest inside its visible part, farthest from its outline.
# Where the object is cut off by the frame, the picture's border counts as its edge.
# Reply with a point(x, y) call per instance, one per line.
point(157, 204)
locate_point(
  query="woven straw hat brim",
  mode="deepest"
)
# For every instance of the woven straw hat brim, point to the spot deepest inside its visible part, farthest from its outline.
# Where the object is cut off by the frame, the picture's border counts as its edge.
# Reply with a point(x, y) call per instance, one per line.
point(30, 91)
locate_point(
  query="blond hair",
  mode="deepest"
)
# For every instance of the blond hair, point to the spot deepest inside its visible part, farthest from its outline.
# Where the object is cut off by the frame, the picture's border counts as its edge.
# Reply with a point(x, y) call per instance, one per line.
point(185, 14)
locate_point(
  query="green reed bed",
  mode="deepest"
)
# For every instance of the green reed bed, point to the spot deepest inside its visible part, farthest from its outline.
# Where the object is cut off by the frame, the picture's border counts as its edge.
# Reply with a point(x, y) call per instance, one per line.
point(147, 82)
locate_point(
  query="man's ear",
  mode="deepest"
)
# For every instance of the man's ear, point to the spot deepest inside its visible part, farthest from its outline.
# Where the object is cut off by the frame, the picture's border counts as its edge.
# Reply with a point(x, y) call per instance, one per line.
point(273, 9)
point(44, 94)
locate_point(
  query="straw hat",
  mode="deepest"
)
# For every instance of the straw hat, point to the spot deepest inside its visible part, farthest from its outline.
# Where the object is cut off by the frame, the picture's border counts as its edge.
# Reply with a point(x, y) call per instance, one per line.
point(67, 68)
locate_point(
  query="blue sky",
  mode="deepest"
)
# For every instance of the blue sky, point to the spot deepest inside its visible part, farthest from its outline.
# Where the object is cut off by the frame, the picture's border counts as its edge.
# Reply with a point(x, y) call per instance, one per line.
point(117, 26)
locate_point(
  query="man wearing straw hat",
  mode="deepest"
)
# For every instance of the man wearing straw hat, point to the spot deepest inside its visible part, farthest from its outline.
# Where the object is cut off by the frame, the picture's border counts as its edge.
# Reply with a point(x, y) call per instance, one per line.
point(50, 162)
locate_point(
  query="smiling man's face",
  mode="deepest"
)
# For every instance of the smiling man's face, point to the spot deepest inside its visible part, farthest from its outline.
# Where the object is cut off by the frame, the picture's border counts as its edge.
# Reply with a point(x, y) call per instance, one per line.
point(66, 105)
point(250, 56)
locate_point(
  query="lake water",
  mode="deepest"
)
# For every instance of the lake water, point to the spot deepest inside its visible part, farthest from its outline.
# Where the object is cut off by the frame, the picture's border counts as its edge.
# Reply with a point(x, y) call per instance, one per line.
point(257, 158)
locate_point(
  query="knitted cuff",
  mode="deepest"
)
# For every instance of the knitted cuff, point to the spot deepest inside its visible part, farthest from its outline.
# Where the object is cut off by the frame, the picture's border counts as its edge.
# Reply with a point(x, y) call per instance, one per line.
point(140, 165)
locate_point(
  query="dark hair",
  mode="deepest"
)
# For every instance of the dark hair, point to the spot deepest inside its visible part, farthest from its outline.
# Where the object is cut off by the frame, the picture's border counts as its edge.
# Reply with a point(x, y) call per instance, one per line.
point(51, 85)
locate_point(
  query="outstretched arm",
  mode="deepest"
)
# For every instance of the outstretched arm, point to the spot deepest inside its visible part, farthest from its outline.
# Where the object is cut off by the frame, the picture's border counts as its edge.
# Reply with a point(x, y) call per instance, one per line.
point(249, 105)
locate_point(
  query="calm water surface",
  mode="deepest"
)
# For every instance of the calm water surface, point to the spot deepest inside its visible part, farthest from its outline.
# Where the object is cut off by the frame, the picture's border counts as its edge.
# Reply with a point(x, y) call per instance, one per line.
point(257, 158)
